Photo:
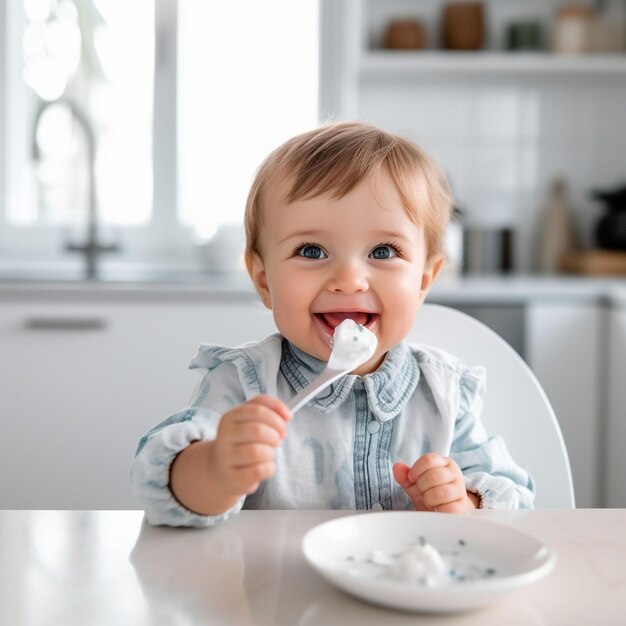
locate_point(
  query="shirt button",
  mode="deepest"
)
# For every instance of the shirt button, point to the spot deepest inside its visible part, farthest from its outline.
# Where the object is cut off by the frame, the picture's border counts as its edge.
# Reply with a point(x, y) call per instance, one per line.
point(377, 506)
point(373, 427)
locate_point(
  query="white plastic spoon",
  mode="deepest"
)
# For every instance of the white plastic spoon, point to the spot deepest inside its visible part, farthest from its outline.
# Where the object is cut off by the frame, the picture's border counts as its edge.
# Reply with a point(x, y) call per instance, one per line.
point(352, 345)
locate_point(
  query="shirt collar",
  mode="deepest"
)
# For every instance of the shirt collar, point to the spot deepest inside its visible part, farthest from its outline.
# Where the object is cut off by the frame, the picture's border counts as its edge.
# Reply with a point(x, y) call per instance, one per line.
point(388, 389)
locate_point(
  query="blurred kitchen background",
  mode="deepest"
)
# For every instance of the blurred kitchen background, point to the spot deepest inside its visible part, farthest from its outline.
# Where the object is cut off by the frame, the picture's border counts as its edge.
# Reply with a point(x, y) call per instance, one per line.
point(130, 131)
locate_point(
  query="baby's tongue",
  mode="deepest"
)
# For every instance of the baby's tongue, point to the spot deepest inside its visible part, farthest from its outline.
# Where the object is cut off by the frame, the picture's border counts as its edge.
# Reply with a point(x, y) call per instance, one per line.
point(334, 319)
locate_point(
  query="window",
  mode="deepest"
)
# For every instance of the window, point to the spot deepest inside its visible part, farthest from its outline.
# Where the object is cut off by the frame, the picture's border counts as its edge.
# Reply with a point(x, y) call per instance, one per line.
point(79, 69)
point(233, 113)
point(182, 99)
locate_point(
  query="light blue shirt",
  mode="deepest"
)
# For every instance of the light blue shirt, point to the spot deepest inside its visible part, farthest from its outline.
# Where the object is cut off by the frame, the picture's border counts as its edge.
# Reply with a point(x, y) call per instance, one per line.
point(341, 446)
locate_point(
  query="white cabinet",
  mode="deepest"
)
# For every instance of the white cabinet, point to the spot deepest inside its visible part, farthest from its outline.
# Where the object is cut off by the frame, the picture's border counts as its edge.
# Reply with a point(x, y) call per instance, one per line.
point(562, 339)
point(616, 410)
point(82, 381)
point(564, 349)
point(84, 374)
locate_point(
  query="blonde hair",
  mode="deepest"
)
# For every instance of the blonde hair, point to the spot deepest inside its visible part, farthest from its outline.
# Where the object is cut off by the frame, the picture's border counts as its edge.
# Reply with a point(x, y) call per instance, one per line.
point(335, 158)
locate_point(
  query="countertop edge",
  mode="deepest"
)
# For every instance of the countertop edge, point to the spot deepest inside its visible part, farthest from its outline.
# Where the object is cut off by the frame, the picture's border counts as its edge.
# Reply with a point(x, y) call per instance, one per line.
point(463, 290)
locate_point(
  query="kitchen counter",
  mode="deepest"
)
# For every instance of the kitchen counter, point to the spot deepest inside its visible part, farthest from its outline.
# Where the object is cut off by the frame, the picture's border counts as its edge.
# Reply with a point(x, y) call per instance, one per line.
point(160, 286)
point(107, 567)
point(496, 289)
point(569, 330)
point(524, 288)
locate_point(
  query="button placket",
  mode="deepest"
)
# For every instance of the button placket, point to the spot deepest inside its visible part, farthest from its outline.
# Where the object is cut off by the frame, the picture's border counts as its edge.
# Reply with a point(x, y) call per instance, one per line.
point(373, 427)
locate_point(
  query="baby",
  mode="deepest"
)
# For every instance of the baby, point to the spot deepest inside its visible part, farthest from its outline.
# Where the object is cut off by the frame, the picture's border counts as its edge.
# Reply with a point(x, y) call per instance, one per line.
point(345, 221)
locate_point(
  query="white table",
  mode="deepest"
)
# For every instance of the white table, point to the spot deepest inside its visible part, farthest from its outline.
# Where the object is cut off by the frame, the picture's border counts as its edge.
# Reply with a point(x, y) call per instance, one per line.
point(94, 568)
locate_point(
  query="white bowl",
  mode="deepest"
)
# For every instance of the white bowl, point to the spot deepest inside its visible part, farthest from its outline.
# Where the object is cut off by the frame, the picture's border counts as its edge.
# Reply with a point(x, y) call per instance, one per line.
point(500, 558)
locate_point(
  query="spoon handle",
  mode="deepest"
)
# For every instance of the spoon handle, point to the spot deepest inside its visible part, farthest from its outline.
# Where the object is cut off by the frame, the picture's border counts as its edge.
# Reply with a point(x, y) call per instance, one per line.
point(326, 377)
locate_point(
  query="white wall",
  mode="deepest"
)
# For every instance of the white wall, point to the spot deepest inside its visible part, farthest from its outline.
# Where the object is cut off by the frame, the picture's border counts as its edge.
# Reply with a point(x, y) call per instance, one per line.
point(502, 140)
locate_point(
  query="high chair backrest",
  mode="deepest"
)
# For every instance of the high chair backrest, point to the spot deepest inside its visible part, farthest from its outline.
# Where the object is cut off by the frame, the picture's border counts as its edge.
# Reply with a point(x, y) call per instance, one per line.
point(516, 406)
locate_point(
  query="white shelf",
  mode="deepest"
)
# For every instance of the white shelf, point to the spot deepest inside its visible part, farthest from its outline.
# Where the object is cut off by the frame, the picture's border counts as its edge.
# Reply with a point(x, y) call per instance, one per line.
point(383, 63)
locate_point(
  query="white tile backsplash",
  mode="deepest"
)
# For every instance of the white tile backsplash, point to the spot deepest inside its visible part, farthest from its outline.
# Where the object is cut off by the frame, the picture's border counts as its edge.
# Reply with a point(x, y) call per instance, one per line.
point(607, 162)
point(528, 165)
point(566, 110)
point(452, 160)
point(494, 167)
point(502, 142)
point(529, 112)
point(608, 109)
point(495, 113)
point(446, 112)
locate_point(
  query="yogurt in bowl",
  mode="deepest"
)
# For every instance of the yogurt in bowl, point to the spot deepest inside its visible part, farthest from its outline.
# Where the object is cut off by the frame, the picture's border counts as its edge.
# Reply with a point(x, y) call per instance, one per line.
point(422, 561)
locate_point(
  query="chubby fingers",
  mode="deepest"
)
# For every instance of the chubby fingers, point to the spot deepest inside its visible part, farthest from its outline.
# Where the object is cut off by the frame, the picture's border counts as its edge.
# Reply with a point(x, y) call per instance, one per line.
point(262, 420)
point(426, 463)
point(276, 405)
point(401, 474)
point(441, 483)
point(246, 442)
point(433, 482)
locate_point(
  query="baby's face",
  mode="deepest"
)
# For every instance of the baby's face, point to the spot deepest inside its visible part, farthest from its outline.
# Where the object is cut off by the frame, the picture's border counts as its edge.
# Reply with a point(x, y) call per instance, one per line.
point(324, 259)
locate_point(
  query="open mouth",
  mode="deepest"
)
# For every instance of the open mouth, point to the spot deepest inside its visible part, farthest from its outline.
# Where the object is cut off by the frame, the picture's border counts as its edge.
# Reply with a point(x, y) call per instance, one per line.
point(331, 319)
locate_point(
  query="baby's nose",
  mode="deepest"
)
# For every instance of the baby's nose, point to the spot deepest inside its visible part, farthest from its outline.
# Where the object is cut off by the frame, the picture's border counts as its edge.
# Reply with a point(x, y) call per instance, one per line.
point(348, 277)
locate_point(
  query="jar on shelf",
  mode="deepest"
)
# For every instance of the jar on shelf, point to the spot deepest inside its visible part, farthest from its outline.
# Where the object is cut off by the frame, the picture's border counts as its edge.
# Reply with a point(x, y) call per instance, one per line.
point(610, 27)
point(573, 29)
point(463, 26)
point(404, 34)
point(524, 35)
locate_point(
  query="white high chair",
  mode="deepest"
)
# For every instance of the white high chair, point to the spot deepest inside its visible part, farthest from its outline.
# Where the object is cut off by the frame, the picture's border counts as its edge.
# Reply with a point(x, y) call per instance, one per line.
point(516, 406)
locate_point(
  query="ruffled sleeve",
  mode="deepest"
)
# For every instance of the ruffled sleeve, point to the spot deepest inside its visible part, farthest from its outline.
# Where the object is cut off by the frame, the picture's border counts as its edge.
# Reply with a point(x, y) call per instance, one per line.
point(230, 376)
point(486, 463)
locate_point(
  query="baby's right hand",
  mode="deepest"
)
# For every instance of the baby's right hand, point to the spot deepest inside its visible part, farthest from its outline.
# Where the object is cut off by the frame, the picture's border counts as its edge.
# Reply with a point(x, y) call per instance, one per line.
point(243, 450)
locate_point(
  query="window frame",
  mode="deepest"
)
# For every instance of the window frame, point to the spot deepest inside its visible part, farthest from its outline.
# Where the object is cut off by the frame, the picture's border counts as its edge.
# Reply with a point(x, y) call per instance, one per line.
point(162, 235)
point(163, 240)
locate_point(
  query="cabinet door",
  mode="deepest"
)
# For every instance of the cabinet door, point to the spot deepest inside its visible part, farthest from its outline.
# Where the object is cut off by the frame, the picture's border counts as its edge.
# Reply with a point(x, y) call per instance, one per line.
point(563, 348)
point(616, 406)
point(81, 383)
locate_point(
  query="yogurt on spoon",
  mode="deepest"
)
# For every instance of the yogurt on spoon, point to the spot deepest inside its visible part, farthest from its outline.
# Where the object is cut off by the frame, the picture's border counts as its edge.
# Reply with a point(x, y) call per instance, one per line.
point(352, 345)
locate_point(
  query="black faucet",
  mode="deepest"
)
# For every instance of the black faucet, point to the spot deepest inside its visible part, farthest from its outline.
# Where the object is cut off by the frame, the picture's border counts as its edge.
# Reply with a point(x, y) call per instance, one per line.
point(92, 247)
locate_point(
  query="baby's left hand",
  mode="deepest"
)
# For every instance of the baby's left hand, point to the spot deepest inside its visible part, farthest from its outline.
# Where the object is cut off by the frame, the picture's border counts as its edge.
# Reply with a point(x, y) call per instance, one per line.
point(434, 483)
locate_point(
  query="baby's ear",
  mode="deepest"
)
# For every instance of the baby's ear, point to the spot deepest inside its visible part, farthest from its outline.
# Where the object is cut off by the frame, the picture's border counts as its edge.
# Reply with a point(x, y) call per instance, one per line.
point(256, 270)
point(432, 267)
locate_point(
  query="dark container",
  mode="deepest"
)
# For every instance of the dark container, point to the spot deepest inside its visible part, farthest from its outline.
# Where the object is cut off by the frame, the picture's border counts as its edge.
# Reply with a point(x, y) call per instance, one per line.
point(611, 227)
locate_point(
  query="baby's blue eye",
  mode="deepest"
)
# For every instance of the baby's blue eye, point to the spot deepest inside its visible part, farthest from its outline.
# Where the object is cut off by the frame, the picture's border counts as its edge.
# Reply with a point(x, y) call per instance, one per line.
point(382, 252)
point(311, 252)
